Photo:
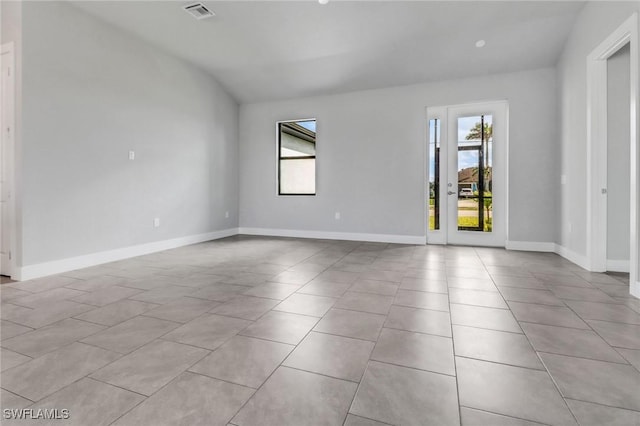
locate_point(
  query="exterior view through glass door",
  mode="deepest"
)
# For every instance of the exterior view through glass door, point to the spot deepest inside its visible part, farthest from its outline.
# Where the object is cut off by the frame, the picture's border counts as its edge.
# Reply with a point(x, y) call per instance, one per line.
point(466, 174)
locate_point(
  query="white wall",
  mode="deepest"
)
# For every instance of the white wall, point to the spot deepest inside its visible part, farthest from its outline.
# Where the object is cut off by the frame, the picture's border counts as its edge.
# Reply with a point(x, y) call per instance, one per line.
point(618, 151)
point(595, 22)
point(371, 157)
point(92, 93)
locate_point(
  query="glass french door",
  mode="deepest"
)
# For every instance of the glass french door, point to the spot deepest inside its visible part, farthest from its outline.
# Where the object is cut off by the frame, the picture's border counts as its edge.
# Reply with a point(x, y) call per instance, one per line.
point(467, 174)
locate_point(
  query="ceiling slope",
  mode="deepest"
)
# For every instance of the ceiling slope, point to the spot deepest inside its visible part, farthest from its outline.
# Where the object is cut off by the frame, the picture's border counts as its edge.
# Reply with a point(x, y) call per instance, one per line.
point(267, 50)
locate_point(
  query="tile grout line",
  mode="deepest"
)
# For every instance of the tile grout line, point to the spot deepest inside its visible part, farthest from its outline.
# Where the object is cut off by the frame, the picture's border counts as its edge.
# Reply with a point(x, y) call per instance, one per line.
point(598, 334)
point(275, 369)
point(364, 373)
point(545, 368)
point(505, 415)
point(20, 396)
point(604, 405)
point(455, 362)
point(378, 255)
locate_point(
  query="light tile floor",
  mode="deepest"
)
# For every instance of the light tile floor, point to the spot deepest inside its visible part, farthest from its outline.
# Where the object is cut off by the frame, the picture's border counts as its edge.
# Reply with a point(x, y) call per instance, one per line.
point(268, 331)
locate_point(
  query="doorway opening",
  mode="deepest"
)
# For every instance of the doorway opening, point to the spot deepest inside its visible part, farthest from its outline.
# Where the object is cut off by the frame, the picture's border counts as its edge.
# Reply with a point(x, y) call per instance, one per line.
point(604, 122)
point(466, 179)
point(618, 170)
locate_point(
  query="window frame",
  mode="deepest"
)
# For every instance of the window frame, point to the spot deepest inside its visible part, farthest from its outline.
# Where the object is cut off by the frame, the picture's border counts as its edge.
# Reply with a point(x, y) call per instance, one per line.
point(437, 155)
point(279, 159)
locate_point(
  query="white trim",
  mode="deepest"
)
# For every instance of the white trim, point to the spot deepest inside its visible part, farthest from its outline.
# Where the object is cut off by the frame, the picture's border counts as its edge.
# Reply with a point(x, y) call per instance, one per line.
point(426, 191)
point(9, 50)
point(634, 250)
point(505, 175)
point(7, 47)
point(618, 265)
point(328, 235)
point(596, 163)
point(539, 246)
point(73, 263)
point(579, 259)
point(438, 236)
point(596, 259)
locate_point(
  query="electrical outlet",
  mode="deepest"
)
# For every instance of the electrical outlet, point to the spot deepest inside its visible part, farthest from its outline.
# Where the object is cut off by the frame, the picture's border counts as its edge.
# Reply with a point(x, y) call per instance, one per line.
point(226, 215)
point(156, 222)
point(563, 179)
point(132, 155)
point(338, 216)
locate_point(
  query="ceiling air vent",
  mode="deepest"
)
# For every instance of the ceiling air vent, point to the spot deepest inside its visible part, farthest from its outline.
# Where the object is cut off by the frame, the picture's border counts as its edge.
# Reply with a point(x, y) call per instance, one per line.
point(199, 11)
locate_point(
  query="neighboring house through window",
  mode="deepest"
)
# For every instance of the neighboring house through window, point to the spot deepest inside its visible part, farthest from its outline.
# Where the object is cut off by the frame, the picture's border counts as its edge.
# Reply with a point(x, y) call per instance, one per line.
point(297, 157)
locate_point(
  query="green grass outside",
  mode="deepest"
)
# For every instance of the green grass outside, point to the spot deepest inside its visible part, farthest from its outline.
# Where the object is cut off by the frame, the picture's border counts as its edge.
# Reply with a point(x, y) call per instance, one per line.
point(466, 222)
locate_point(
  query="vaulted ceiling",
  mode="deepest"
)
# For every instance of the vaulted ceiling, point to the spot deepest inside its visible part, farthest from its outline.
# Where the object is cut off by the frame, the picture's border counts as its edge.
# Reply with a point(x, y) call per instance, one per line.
point(266, 50)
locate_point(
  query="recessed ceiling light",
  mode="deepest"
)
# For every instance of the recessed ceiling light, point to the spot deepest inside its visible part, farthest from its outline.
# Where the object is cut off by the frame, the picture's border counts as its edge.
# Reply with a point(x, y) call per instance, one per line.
point(323, 1)
point(480, 43)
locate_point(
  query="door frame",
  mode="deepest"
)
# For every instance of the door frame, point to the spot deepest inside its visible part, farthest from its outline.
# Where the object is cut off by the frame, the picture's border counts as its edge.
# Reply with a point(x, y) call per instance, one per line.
point(437, 236)
point(7, 53)
point(597, 108)
point(442, 112)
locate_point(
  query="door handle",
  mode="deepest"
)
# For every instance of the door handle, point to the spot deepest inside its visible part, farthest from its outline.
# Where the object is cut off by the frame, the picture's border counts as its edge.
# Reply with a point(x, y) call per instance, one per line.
point(451, 192)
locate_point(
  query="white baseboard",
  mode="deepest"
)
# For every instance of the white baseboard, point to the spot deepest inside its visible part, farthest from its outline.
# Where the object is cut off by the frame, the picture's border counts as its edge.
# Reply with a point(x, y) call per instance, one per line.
point(635, 289)
point(582, 261)
point(618, 265)
point(571, 256)
point(65, 265)
point(530, 246)
point(325, 235)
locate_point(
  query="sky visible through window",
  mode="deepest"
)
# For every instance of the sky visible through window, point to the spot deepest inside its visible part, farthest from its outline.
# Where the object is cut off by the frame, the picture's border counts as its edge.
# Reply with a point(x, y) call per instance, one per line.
point(470, 158)
point(309, 125)
point(465, 158)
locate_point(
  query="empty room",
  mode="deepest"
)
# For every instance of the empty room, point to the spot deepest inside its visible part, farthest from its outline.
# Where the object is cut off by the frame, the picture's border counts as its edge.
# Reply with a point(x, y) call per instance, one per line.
point(320, 212)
